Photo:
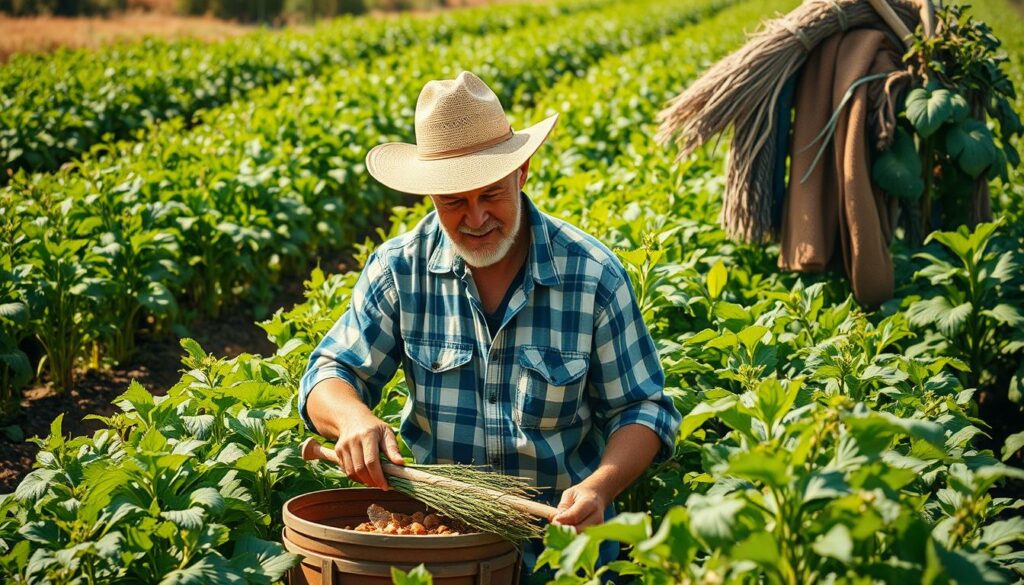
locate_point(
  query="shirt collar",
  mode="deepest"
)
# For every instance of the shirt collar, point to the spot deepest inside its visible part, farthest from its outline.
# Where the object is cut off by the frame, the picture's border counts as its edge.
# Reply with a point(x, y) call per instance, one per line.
point(541, 258)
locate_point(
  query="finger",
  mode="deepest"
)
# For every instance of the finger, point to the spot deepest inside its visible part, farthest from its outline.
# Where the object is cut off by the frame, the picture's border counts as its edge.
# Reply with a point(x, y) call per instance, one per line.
point(579, 510)
point(339, 454)
point(359, 464)
point(391, 447)
point(344, 461)
point(565, 517)
point(371, 457)
point(568, 497)
point(596, 517)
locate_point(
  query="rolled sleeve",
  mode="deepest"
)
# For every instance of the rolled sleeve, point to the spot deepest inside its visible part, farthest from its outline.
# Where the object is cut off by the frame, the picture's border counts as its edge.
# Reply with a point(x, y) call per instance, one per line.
point(362, 347)
point(626, 381)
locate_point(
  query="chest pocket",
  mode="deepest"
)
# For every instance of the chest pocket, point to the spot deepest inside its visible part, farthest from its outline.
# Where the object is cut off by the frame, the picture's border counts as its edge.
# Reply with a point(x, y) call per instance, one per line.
point(550, 387)
point(440, 385)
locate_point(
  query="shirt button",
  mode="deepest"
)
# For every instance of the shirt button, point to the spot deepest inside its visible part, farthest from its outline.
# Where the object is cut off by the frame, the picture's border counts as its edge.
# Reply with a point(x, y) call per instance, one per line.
point(434, 366)
point(493, 398)
point(495, 461)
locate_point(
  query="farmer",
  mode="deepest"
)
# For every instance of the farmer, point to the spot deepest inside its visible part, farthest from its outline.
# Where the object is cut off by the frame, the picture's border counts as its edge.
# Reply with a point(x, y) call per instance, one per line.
point(519, 334)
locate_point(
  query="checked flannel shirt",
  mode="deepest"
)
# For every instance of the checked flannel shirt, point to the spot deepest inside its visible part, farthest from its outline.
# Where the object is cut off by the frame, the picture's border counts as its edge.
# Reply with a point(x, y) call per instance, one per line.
point(571, 363)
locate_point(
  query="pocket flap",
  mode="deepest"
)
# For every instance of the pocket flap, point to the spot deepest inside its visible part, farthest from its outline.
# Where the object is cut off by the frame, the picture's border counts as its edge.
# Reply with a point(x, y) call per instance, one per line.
point(438, 356)
point(557, 367)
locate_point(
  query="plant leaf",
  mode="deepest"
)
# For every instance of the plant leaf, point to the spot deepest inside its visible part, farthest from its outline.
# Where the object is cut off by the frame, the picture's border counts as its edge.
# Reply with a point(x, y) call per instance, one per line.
point(1013, 444)
point(759, 547)
point(928, 108)
point(417, 576)
point(713, 518)
point(939, 312)
point(717, 279)
point(1006, 314)
point(973, 146)
point(262, 561)
point(836, 544)
point(766, 468)
point(897, 171)
point(212, 568)
point(628, 528)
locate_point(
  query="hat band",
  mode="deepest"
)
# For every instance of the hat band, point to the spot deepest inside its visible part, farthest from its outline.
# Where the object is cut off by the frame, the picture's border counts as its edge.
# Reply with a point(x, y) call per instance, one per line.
point(465, 150)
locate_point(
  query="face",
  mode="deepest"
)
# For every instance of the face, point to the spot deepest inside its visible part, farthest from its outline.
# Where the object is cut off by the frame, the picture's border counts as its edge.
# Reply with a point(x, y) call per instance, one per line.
point(483, 223)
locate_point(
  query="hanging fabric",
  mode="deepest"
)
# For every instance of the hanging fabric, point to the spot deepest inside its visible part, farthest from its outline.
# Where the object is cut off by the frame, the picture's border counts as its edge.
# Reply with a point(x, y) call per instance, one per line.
point(837, 204)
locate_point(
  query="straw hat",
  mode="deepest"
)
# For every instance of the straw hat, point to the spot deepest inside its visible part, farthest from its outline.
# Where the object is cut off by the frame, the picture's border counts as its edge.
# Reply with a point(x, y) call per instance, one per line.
point(463, 141)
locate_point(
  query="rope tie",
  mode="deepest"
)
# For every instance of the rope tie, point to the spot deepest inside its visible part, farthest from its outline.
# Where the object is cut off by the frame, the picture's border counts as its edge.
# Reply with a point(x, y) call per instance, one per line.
point(799, 34)
point(887, 115)
point(844, 24)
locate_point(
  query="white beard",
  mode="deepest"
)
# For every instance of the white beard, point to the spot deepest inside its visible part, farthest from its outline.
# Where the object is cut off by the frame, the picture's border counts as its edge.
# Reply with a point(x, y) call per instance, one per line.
point(491, 254)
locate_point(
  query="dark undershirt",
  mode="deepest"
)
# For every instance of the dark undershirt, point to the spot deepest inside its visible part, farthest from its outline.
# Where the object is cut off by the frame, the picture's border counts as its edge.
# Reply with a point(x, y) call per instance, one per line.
point(494, 319)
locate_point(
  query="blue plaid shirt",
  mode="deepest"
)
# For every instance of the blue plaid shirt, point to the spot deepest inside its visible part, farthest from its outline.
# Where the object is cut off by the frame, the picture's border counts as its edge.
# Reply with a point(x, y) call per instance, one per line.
point(571, 363)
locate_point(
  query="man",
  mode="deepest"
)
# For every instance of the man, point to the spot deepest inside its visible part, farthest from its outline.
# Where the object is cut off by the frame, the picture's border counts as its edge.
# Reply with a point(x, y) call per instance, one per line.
point(520, 336)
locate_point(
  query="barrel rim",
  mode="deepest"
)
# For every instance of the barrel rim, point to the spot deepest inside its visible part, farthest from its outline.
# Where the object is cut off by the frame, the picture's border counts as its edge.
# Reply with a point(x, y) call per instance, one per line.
point(511, 559)
point(317, 530)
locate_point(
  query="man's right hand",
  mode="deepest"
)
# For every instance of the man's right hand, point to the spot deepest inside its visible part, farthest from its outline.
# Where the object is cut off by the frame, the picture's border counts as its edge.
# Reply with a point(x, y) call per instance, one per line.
point(361, 436)
point(361, 439)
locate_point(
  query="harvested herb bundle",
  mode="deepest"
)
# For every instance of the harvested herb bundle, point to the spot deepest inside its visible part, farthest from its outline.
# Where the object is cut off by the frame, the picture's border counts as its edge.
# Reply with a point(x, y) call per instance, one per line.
point(474, 500)
point(488, 501)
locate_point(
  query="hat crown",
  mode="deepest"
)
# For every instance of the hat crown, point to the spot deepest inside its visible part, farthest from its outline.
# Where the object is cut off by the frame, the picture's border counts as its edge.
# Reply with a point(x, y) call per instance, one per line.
point(458, 116)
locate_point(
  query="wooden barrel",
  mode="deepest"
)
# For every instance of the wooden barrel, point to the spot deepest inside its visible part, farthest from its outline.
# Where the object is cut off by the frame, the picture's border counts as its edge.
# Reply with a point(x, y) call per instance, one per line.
point(314, 528)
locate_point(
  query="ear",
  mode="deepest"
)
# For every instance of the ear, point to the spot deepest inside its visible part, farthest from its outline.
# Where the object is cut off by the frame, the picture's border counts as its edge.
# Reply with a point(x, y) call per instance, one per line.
point(524, 171)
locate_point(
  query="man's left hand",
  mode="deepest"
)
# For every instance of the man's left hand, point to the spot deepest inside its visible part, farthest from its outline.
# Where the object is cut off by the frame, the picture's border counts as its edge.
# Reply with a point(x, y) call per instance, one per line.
point(581, 506)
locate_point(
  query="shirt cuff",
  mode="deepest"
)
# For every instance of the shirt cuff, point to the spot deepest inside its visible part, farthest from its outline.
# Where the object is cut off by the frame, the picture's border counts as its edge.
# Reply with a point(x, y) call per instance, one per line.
point(314, 377)
point(653, 416)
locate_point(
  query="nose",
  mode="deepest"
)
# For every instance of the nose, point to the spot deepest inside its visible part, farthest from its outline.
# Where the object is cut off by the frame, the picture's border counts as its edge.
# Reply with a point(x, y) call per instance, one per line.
point(476, 216)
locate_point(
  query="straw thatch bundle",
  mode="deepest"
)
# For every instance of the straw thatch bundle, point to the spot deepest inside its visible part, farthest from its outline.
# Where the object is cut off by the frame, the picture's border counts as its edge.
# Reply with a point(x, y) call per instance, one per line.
point(741, 91)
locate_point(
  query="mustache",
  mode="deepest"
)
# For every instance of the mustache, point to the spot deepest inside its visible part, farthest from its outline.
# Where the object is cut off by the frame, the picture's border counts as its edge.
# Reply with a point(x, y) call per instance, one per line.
point(490, 225)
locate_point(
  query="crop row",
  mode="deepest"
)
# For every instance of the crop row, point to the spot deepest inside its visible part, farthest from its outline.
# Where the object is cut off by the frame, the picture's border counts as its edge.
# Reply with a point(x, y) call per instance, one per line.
point(187, 219)
point(53, 108)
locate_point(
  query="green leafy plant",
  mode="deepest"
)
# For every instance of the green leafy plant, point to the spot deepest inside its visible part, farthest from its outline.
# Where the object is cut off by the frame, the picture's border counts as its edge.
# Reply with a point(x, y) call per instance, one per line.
point(974, 302)
point(186, 487)
point(62, 298)
point(15, 369)
point(959, 85)
point(804, 487)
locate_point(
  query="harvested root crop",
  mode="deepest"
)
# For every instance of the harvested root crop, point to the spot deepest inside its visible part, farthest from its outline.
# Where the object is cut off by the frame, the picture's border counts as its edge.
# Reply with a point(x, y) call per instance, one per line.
point(381, 521)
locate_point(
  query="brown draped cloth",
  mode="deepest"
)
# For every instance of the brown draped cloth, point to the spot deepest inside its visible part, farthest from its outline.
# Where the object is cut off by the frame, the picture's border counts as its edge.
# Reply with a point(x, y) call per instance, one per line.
point(838, 202)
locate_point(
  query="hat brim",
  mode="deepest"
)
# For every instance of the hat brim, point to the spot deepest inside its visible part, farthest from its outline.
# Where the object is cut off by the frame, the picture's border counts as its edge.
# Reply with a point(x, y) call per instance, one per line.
point(397, 165)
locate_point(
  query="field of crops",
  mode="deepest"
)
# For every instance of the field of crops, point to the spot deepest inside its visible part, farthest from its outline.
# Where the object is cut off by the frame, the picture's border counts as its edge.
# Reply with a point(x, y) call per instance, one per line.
point(821, 442)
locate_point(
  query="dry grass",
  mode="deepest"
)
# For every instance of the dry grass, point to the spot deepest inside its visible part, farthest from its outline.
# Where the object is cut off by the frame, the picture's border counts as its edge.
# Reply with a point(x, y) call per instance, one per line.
point(46, 33)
